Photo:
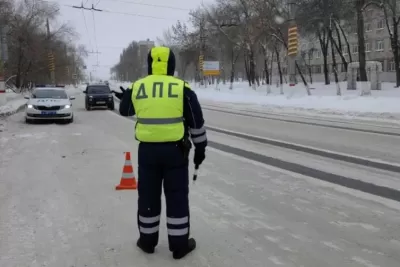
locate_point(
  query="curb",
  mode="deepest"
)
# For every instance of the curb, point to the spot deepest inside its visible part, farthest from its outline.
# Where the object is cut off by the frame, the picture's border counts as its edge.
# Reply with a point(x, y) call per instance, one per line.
point(12, 112)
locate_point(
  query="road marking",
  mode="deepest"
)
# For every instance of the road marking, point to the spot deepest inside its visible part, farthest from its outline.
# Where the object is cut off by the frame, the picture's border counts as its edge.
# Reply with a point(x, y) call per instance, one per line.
point(377, 190)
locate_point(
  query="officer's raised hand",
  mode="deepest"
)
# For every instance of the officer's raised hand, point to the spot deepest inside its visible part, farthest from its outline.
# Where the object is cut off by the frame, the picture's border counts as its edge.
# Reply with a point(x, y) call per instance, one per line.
point(119, 95)
point(199, 156)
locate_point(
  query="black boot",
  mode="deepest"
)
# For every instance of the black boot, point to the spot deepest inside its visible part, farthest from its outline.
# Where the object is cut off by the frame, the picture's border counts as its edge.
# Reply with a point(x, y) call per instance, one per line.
point(179, 254)
point(148, 250)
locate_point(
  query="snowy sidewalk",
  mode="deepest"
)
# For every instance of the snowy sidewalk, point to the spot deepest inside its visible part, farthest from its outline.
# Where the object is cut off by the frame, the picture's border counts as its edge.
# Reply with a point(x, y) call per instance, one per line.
point(381, 104)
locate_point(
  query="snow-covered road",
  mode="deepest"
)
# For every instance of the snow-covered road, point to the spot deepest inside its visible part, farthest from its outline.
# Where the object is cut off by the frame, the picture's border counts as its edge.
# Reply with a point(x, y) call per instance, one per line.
point(58, 206)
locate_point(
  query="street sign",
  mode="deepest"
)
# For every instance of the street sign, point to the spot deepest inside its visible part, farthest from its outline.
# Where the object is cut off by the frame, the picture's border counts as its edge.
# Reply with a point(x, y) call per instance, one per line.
point(211, 68)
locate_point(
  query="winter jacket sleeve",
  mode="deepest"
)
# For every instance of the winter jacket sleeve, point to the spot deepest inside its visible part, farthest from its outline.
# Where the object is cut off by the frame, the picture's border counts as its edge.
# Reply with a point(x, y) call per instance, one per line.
point(193, 116)
point(126, 106)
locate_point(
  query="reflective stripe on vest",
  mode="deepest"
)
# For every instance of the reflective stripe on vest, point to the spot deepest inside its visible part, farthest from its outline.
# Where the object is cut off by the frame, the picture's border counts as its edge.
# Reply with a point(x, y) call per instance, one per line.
point(154, 121)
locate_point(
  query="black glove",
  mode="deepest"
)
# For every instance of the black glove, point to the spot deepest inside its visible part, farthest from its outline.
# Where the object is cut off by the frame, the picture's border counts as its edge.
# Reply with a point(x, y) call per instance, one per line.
point(119, 95)
point(199, 156)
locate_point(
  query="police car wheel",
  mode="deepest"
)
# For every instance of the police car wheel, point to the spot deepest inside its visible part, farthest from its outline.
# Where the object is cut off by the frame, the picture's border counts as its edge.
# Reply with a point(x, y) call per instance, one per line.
point(88, 107)
point(111, 107)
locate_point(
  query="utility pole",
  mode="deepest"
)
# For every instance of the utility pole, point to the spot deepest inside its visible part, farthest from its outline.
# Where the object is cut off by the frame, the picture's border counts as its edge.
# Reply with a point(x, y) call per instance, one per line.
point(292, 43)
point(52, 67)
point(3, 60)
point(90, 9)
point(202, 50)
point(67, 72)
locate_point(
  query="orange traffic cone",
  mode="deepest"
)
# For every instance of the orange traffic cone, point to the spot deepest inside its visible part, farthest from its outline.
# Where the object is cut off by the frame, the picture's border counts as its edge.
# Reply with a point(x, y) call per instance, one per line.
point(128, 180)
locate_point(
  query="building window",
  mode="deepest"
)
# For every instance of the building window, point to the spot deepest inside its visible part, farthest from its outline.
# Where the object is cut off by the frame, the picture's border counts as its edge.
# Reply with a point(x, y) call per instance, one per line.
point(369, 13)
point(310, 54)
point(382, 64)
point(391, 66)
point(379, 45)
point(367, 27)
point(318, 54)
point(317, 69)
point(354, 49)
point(367, 47)
point(342, 68)
point(381, 24)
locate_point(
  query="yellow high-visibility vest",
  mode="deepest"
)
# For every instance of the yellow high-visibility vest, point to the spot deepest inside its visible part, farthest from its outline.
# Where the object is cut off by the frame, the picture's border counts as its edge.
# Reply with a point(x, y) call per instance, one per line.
point(158, 103)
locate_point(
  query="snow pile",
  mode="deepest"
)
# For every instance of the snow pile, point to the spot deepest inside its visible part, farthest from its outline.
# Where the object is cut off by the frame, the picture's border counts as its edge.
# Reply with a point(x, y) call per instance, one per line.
point(12, 106)
point(384, 103)
point(15, 102)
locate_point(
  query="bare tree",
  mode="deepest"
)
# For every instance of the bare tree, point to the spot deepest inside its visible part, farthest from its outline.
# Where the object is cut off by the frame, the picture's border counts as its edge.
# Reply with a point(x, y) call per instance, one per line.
point(129, 67)
point(361, 39)
point(391, 10)
point(29, 44)
point(244, 35)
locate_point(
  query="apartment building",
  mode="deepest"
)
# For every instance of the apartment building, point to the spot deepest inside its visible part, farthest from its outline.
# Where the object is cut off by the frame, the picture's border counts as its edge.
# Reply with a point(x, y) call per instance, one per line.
point(377, 46)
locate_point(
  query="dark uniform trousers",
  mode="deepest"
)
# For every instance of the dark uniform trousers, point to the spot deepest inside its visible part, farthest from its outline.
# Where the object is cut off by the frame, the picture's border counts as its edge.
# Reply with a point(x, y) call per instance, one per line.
point(158, 163)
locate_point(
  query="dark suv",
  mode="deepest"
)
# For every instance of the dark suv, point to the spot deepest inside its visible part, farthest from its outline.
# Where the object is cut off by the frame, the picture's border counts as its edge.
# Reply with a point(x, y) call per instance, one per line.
point(98, 95)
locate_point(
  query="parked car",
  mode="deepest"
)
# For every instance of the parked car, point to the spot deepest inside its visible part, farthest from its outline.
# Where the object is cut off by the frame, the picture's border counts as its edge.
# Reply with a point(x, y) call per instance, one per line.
point(98, 95)
point(49, 103)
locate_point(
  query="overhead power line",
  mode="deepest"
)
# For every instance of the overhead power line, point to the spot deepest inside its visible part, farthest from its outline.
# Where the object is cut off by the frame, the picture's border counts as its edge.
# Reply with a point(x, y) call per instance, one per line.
point(120, 13)
point(146, 4)
point(131, 3)
point(87, 30)
point(95, 33)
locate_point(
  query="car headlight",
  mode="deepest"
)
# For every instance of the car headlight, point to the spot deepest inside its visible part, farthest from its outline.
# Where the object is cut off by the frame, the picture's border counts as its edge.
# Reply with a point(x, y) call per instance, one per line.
point(30, 106)
point(67, 106)
point(90, 96)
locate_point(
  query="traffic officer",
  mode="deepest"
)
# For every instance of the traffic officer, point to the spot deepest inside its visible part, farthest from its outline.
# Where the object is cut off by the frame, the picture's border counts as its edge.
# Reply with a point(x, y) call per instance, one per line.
point(168, 113)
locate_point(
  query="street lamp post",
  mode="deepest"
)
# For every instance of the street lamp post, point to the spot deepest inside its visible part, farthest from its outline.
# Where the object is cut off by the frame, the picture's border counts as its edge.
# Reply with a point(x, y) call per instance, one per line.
point(3, 60)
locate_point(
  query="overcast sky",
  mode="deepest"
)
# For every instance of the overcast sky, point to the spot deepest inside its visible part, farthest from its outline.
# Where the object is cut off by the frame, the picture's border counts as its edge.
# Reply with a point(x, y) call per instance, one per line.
point(113, 31)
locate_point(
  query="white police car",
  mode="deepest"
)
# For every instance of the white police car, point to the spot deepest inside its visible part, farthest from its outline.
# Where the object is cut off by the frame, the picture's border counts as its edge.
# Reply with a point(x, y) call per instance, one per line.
point(49, 103)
